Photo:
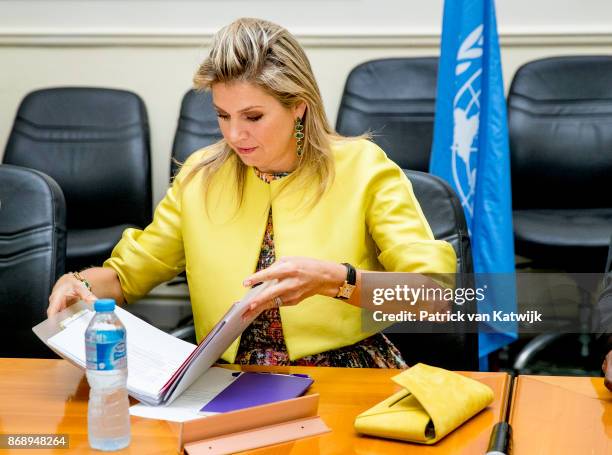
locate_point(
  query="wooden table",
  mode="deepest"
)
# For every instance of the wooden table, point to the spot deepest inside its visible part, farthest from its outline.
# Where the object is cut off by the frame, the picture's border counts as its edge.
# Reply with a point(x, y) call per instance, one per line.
point(50, 396)
point(561, 415)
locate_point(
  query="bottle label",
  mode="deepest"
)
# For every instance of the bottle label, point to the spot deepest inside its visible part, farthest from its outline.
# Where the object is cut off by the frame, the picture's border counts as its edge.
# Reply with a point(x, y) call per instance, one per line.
point(106, 351)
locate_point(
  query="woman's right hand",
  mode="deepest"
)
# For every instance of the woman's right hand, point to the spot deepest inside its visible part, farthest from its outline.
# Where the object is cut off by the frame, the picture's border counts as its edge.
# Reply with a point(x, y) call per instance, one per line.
point(68, 290)
point(607, 370)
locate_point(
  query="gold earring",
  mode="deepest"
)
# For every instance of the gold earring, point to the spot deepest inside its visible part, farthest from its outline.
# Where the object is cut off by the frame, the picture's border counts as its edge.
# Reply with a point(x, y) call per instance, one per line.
point(299, 136)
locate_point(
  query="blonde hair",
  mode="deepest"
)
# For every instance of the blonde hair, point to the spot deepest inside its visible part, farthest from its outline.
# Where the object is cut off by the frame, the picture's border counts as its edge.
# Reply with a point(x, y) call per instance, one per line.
point(267, 55)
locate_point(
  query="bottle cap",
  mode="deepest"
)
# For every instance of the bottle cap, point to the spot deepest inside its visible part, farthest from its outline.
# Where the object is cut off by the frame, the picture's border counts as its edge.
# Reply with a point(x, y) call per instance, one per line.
point(104, 305)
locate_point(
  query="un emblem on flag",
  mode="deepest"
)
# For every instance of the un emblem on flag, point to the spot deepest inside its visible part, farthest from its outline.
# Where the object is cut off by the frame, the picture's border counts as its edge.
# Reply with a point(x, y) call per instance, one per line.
point(466, 114)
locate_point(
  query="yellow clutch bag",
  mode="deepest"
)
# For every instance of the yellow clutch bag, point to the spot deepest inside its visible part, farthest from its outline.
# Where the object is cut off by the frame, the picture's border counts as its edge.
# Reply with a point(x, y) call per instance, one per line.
point(433, 403)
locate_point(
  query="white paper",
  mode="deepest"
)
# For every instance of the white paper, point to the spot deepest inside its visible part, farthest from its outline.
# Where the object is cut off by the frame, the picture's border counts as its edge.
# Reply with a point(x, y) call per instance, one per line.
point(153, 355)
point(187, 406)
point(64, 341)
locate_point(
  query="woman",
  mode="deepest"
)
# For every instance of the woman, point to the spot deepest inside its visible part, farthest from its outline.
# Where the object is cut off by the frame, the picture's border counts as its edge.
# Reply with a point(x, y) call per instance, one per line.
point(282, 196)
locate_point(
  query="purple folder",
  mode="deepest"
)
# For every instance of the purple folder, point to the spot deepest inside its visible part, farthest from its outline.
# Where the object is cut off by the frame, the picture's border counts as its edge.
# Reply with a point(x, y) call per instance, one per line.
point(253, 389)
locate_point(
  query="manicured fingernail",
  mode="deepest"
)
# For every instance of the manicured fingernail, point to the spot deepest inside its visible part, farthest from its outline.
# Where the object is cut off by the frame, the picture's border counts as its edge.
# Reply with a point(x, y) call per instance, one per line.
point(252, 306)
point(246, 283)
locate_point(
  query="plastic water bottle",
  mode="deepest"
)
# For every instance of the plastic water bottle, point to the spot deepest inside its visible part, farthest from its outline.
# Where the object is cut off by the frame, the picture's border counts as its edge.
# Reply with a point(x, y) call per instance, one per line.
point(108, 415)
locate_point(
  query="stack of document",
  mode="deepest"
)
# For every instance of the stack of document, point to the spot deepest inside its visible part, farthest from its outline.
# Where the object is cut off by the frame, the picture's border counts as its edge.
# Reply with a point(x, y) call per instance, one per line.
point(160, 366)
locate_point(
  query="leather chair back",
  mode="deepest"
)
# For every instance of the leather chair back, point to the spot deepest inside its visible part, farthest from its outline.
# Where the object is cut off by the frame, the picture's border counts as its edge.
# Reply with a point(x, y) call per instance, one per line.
point(32, 253)
point(444, 213)
point(458, 348)
point(198, 127)
point(560, 122)
point(394, 99)
point(94, 142)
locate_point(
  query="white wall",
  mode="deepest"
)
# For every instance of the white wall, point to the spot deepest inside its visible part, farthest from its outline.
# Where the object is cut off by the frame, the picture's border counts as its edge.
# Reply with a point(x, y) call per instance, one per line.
point(310, 17)
point(153, 47)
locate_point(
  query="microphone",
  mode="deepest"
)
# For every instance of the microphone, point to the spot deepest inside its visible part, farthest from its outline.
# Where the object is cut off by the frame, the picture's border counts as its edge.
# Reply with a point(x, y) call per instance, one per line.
point(500, 441)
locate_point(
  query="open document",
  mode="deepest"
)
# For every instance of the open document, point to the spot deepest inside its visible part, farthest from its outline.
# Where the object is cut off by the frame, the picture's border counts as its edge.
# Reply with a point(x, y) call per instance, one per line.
point(187, 407)
point(160, 366)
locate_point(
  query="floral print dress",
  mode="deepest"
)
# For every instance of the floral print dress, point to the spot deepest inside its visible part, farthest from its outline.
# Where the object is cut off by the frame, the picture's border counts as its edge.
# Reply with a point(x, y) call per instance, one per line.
point(263, 343)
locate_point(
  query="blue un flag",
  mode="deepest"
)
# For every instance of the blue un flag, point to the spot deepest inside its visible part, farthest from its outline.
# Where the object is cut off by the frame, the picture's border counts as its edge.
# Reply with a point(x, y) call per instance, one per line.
point(470, 150)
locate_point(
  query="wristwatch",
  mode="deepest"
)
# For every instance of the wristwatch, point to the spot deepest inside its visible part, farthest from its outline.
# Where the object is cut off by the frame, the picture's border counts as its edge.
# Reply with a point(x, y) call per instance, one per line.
point(347, 288)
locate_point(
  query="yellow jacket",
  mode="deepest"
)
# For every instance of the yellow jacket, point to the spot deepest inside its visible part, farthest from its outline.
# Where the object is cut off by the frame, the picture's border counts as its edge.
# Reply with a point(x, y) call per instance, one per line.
point(369, 217)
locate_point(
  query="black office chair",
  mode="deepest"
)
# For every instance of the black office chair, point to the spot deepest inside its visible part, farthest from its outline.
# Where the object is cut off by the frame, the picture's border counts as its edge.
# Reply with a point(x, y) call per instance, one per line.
point(32, 254)
point(457, 349)
point(560, 124)
point(94, 142)
point(197, 127)
point(394, 99)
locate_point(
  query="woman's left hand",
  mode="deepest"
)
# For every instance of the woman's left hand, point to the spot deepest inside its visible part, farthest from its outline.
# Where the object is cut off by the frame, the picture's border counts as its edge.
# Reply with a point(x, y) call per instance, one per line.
point(298, 278)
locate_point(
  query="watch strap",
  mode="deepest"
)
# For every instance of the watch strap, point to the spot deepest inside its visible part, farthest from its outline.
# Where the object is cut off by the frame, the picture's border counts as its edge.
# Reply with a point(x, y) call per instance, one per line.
point(347, 288)
point(351, 273)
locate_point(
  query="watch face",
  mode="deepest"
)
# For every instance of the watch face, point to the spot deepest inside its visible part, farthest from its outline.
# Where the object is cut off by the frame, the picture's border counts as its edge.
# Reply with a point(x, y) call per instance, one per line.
point(346, 290)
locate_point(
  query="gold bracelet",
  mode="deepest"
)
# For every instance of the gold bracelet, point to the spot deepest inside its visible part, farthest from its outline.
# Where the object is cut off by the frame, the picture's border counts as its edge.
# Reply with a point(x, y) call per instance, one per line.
point(79, 277)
